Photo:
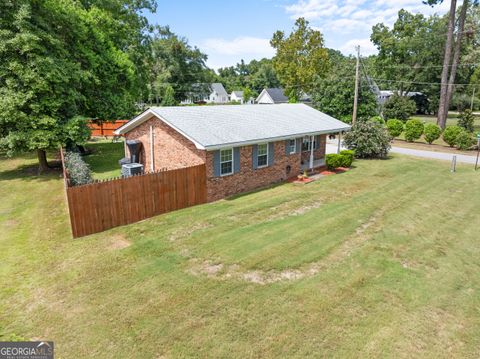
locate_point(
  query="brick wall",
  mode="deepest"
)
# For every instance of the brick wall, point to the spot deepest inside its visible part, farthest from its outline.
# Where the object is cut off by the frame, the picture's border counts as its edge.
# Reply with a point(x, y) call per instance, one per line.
point(248, 178)
point(171, 149)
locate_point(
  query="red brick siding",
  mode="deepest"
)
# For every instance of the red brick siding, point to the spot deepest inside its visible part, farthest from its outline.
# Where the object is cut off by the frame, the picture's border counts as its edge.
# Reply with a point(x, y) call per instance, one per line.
point(171, 149)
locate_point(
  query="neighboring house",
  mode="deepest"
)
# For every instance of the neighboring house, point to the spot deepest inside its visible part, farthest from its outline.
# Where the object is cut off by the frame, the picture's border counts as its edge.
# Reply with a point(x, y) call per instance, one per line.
point(276, 95)
point(236, 96)
point(384, 95)
point(216, 94)
point(243, 147)
point(271, 96)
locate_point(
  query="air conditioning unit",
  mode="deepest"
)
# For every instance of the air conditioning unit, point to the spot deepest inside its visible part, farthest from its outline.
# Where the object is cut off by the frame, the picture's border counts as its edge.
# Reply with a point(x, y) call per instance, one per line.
point(131, 169)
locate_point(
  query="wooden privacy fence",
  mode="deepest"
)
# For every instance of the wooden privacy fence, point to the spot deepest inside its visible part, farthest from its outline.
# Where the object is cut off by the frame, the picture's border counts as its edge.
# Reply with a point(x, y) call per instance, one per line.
point(104, 128)
point(98, 206)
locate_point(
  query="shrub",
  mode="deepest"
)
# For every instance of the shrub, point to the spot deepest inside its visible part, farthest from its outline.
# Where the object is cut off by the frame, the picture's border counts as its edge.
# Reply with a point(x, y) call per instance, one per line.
point(431, 132)
point(413, 130)
point(464, 140)
point(377, 119)
point(400, 107)
point(450, 135)
point(368, 140)
point(334, 160)
point(346, 161)
point(394, 127)
point(350, 154)
point(466, 120)
point(78, 171)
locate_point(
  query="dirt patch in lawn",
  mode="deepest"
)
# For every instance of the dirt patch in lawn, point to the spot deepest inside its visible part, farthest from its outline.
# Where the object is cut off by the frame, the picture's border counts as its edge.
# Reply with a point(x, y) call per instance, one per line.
point(221, 271)
point(118, 241)
point(188, 231)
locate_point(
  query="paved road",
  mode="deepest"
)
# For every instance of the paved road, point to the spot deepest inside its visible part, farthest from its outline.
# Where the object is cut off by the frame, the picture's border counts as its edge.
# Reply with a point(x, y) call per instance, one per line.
point(332, 148)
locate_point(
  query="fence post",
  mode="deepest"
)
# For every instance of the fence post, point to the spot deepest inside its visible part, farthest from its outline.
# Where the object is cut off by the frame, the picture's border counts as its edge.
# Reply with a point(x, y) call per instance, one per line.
point(454, 164)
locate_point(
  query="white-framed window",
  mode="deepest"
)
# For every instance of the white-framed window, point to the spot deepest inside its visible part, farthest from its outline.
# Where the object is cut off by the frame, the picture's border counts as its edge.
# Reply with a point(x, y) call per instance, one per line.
point(262, 155)
point(292, 146)
point(226, 162)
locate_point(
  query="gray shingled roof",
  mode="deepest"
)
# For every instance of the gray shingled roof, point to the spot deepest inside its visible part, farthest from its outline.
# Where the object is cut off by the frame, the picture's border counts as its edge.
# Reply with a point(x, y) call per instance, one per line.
point(219, 89)
point(277, 95)
point(238, 93)
point(213, 127)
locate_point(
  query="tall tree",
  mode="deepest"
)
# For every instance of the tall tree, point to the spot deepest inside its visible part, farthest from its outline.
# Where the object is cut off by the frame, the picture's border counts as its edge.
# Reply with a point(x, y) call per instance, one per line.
point(334, 94)
point(450, 63)
point(174, 63)
point(408, 53)
point(300, 59)
point(257, 75)
point(56, 63)
point(456, 58)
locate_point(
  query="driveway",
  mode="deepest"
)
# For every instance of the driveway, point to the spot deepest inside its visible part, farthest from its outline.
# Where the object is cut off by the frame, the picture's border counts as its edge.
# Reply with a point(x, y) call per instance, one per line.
point(332, 148)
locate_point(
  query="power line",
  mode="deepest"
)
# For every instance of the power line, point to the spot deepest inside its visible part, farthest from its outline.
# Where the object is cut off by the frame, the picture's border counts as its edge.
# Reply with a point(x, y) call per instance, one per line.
point(421, 66)
point(421, 83)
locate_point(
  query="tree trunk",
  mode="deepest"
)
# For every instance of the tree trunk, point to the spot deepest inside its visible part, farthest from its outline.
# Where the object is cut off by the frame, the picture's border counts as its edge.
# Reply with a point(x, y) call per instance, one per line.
point(442, 115)
point(42, 161)
point(456, 54)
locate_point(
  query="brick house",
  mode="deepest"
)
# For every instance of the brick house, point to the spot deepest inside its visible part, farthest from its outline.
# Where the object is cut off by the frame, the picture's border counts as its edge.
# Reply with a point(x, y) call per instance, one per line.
point(243, 147)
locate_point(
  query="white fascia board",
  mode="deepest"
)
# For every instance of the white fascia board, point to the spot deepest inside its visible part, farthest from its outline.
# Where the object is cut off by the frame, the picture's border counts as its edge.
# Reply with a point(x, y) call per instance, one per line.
point(273, 139)
point(145, 115)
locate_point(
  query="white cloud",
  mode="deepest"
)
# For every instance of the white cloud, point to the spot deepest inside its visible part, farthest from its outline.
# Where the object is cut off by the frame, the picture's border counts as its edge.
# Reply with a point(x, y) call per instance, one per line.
point(312, 9)
point(239, 46)
point(352, 15)
point(366, 47)
point(346, 25)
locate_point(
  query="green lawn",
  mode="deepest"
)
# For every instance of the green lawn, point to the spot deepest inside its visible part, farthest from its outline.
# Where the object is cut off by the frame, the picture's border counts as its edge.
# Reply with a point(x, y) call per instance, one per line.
point(381, 261)
point(103, 159)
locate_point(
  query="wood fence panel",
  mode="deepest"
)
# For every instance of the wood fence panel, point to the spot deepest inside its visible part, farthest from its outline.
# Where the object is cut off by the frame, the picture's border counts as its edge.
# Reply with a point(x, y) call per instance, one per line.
point(98, 206)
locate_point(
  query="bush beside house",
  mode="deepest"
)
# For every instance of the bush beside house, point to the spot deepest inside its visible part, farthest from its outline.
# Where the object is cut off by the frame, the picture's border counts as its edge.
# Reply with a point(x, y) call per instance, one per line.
point(368, 140)
point(342, 159)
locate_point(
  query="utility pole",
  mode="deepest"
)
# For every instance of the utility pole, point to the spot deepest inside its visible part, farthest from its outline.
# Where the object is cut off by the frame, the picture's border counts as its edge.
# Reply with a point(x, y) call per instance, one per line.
point(473, 98)
point(357, 79)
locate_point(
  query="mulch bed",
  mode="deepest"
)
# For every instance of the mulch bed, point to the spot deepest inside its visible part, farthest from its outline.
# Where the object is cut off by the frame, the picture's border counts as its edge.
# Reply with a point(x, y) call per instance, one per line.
point(321, 173)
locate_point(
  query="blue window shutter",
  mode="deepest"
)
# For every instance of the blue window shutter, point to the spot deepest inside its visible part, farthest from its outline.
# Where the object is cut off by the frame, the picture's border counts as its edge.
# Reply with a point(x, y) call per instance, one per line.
point(216, 163)
point(236, 160)
point(317, 142)
point(271, 153)
point(287, 147)
point(254, 157)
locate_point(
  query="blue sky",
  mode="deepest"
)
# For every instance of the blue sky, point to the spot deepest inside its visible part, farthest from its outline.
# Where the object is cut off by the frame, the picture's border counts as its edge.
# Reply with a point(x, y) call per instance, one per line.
point(228, 31)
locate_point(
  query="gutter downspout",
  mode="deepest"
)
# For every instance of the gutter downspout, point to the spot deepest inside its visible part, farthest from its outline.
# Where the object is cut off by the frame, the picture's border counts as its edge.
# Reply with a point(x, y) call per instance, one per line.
point(152, 156)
